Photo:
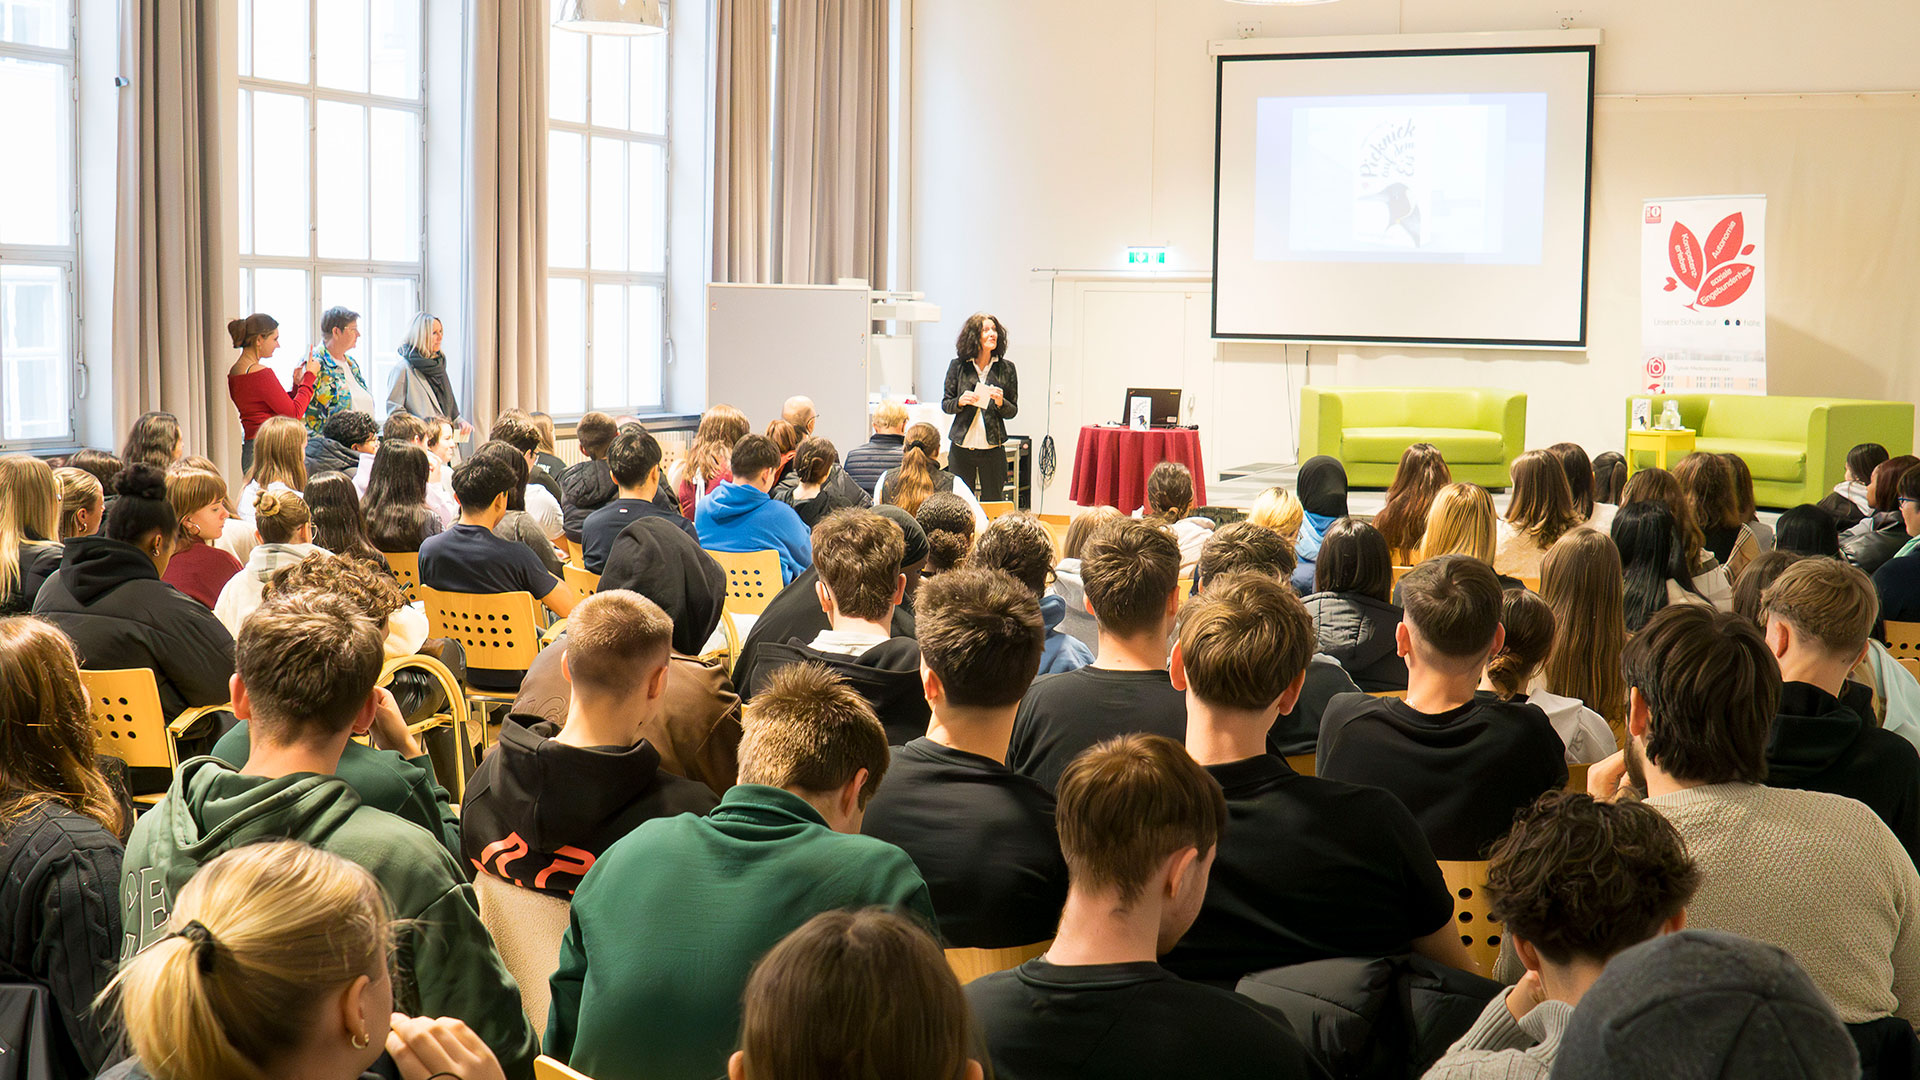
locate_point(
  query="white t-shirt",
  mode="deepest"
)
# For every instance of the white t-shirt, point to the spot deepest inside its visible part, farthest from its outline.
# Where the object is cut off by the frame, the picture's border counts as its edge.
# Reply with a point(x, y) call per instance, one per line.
point(1585, 732)
point(545, 510)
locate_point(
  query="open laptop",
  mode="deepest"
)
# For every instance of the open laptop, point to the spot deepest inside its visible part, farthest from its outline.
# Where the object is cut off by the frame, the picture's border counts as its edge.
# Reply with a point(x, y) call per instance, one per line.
point(1164, 406)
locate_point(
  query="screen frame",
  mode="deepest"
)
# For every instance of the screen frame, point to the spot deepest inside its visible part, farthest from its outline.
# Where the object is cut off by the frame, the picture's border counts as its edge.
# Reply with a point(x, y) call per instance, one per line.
point(1578, 342)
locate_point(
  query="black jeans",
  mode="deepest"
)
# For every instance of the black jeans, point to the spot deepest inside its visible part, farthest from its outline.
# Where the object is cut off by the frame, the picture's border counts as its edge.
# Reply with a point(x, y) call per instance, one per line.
point(985, 471)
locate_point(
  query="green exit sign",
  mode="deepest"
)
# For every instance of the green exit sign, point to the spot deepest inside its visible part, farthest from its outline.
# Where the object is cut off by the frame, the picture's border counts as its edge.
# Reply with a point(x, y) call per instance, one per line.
point(1147, 257)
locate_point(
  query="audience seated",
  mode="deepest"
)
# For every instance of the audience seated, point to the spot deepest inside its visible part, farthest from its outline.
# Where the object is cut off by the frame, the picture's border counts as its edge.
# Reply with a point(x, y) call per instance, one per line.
point(307, 664)
point(395, 499)
point(551, 798)
point(589, 485)
point(696, 729)
point(1746, 509)
point(1021, 546)
point(1278, 509)
point(1139, 825)
point(347, 439)
point(30, 549)
point(1581, 483)
point(546, 455)
point(339, 526)
point(1609, 481)
point(284, 529)
point(1654, 567)
point(198, 568)
point(415, 431)
point(706, 465)
point(60, 850)
point(1699, 1003)
point(1461, 522)
point(871, 460)
point(949, 526)
point(1882, 534)
point(1131, 571)
point(667, 927)
point(279, 461)
point(1898, 579)
point(109, 597)
point(795, 612)
point(1461, 762)
point(1709, 577)
point(740, 516)
point(982, 835)
point(517, 429)
point(1244, 546)
point(1580, 579)
point(816, 486)
point(1309, 868)
point(154, 439)
point(1760, 573)
point(391, 771)
point(1849, 500)
point(102, 465)
point(858, 554)
point(1323, 501)
point(1575, 883)
point(1539, 512)
point(1814, 873)
point(633, 460)
point(1078, 622)
point(1529, 623)
point(855, 993)
point(1818, 615)
point(1169, 501)
point(919, 475)
point(1715, 503)
point(1806, 530)
point(517, 525)
point(469, 558)
point(1353, 619)
point(82, 504)
point(785, 439)
point(276, 962)
point(1403, 520)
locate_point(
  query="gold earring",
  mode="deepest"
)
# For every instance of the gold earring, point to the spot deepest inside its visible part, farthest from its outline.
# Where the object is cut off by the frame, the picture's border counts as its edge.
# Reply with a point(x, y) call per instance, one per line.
point(361, 1041)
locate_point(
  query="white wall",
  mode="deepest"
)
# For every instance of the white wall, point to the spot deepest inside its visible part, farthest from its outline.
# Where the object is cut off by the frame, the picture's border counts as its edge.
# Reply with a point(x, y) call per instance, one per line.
point(1054, 134)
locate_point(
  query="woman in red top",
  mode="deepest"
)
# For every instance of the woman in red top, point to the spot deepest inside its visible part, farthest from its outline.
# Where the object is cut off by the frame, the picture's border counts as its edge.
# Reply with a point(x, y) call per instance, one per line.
point(255, 389)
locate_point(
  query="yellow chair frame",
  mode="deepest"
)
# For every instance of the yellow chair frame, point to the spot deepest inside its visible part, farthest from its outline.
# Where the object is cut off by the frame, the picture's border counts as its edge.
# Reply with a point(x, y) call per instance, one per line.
point(753, 579)
point(583, 582)
point(1912, 665)
point(128, 722)
point(406, 567)
point(546, 1068)
point(971, 964)
point(499, 631)
point(1903, 640)
point(995, 510)
point(456, 717)
point(1467, 881)
point(576, 554)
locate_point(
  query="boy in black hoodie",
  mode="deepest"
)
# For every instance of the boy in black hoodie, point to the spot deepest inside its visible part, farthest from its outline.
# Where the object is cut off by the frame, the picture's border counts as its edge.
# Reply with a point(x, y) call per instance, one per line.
point(858, 554)
point(1818, 616)
point(550, 799)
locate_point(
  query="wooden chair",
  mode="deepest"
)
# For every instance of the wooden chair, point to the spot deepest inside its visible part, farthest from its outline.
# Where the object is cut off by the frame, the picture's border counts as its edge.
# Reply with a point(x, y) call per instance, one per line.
point(1478, 932)
point(576, 554)
point(753, 579)
point(128, 722)
point(527, 927)
point(1301, 763)
point(546, 1068)
point(1912, 665)
point(455, 718)
point(996, 509)
point(1401, 694)
point(970, 964)
point(1400, 572)
point(1903, 640)
point(406, 566)
point(1532, 583)
point(583, 582)
point(499, 631)
point(1577, 778)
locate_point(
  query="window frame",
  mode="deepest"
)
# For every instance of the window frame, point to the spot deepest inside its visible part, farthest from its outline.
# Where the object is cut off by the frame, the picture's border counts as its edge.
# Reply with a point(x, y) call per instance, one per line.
point(316, 266)
point(588, 277)
point(66, 257)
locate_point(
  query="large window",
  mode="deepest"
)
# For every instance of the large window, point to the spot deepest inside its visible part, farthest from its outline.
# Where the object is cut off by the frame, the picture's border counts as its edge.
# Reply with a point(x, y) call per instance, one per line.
point(606, 221)
point(331, 162)
point(39, 318)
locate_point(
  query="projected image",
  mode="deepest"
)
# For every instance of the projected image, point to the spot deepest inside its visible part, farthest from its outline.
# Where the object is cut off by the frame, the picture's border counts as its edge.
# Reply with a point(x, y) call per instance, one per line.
point(1414, 178)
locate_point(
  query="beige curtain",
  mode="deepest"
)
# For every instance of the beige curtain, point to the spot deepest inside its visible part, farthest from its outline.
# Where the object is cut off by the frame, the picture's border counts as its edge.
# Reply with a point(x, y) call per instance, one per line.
point(830, 143)
point(742, 120)
point(506, 204)
point(173, 261)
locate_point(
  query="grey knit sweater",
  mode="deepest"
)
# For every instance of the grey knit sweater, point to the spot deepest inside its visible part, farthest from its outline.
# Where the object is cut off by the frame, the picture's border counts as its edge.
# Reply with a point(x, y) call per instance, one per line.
point(1498, 1047)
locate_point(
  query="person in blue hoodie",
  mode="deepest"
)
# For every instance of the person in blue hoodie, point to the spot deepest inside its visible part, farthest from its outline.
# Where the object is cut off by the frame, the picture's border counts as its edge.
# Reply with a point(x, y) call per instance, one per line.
point(1021, 546)
point(1323, 494)
point(740, 516)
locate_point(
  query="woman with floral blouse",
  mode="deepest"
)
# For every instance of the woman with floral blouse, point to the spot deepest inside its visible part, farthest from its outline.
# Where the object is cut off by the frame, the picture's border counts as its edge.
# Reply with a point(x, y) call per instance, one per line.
point(342, 386)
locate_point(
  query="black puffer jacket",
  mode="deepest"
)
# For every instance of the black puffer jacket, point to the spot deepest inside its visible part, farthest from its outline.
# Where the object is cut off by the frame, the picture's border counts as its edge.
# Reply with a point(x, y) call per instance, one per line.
point(108, 599)
point(588, 486)
point(1358, 631)
point(839, 492)
point(1374, 1017)
point(1873, 540)
point(38, 561)
point(60, 902)
point(331, 455)
point(866, 462)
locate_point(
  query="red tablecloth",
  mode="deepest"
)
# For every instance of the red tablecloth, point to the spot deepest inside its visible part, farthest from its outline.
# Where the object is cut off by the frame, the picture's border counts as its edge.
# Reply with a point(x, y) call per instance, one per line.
point(1111, 464)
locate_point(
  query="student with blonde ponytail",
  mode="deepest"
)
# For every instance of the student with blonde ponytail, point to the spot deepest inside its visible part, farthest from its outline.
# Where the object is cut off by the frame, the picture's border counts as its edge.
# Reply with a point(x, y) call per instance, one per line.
point(283, 527)
point(919, 475)
point(83, 503)
point(274, 964)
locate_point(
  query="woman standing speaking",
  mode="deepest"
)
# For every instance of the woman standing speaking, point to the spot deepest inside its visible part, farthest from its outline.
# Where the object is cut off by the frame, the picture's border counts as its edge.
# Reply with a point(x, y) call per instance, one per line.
point(982, 393)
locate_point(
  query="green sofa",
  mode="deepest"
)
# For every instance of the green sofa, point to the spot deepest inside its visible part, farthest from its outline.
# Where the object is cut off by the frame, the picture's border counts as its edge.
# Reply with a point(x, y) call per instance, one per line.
point(1796, 447)
point(1478, 431)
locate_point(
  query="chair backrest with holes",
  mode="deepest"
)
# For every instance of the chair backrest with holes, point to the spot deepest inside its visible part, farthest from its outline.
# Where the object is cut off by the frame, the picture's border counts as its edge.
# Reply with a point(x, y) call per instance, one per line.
point(576, 553)
point(584, 583)
point(1903, 640)
point(995, 510)
point(499, 631)
point(1912, 666)
point(406, 566)
point(127, 721)
point(753, 579)
point(1478, 932)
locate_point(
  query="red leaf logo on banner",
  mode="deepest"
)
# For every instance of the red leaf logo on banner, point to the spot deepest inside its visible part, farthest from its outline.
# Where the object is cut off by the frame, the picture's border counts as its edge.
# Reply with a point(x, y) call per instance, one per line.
point(1683, 250)
point(1727, 283)
point(1725, 239)
point(1671, 285)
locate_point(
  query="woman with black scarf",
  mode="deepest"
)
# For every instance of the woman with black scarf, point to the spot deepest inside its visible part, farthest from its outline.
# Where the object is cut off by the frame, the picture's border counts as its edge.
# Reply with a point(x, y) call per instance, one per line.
point(423, 388)
point(1323, 494)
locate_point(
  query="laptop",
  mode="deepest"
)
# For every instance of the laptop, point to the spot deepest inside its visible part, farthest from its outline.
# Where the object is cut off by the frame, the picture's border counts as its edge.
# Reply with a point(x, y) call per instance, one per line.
point(1163, 406)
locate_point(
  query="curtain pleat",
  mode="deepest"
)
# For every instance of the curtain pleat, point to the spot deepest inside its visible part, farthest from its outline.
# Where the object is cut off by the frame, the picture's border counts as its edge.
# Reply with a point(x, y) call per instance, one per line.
point(742, 124)
point(830, 143)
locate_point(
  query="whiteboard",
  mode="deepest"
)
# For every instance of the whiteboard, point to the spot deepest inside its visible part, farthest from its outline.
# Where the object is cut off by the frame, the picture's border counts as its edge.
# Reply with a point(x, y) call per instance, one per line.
point(766, 343)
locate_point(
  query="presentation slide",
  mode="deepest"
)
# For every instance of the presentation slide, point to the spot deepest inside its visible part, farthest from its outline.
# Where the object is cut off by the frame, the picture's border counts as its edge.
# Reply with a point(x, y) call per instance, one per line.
point(1431, 197)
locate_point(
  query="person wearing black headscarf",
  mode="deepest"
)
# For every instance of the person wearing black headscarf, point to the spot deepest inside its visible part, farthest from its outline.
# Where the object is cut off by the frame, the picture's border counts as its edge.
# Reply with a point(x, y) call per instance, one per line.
point(1323, 495)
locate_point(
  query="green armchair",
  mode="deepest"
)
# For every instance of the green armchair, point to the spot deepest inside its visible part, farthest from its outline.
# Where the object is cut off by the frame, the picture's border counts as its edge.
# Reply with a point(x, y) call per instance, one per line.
point(1796, 447)
point(1478, 431)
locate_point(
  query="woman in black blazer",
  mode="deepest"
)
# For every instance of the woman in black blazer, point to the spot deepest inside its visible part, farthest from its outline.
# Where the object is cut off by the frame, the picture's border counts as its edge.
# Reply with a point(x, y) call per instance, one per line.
point(982, 393)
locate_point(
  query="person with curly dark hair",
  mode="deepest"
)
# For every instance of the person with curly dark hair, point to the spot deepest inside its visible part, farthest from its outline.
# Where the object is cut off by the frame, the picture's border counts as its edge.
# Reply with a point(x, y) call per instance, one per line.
point(1575, 882)
point(982, 393)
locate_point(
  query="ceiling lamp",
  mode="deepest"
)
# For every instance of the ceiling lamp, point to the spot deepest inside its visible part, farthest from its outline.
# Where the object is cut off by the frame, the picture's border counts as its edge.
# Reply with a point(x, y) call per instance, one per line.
point(630, 17)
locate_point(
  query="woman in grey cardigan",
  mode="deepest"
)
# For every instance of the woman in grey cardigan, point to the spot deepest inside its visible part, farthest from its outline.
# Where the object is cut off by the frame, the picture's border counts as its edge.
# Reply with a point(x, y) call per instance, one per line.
point(422, 387)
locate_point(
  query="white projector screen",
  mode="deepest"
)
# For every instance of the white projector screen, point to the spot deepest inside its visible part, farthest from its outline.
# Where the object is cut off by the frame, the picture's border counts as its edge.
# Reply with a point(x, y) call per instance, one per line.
point(1425, 197)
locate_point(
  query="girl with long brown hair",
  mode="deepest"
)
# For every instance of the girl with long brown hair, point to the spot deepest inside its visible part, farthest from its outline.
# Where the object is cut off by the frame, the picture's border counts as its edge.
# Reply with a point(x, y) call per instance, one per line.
point(60, 835)
point(708, 462)
point(1403, 520)
point(919, 475)
point(199, 568)
point(1580, 579)
point(1540, 512)
point(1710, 579)
point(1714, 498)
point(154, 440)
point(1532, 628)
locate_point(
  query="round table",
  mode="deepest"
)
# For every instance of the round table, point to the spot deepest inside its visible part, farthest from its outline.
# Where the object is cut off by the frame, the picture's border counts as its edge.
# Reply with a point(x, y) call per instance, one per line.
point(1111, 464)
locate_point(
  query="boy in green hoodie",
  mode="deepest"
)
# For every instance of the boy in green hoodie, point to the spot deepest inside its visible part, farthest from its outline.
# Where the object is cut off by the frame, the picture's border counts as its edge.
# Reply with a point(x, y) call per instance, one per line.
point(307, 664)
